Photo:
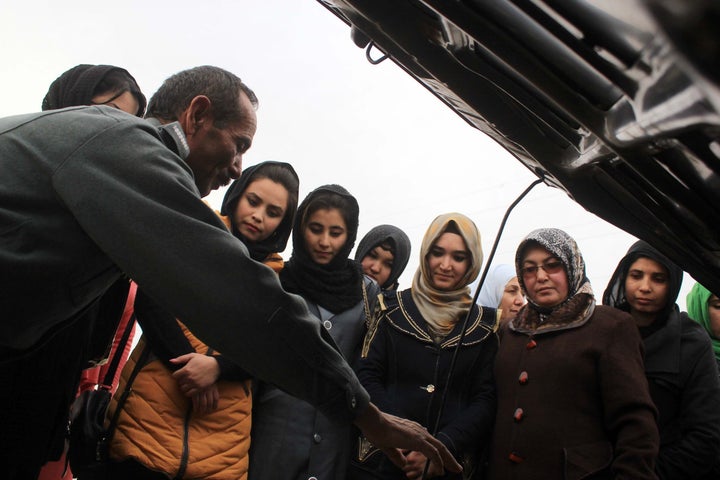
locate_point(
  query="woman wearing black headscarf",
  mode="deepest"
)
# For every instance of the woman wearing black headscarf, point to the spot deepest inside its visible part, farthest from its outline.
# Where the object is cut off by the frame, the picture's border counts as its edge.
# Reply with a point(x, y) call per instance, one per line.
point(290, 438)
point(190, 412)
point(573, 401)
point(37, 381)
point(383, 254)
point(241, 217)
point(96, 85)
point(112, 86)
point(679, 363)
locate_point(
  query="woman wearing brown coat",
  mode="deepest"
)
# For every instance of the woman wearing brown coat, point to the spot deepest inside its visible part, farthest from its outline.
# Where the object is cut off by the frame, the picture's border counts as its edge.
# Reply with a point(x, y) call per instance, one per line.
point(573, 400)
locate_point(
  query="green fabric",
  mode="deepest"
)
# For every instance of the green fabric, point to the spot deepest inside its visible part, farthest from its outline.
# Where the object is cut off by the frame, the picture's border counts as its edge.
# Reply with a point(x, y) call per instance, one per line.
point(697, 309)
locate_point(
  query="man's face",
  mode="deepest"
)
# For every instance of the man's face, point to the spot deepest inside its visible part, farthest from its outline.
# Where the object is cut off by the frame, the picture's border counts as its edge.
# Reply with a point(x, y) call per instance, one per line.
point(216, 153)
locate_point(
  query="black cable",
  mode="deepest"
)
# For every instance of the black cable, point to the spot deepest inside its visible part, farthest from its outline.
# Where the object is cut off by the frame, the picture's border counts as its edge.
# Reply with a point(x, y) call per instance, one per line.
point(474, 301)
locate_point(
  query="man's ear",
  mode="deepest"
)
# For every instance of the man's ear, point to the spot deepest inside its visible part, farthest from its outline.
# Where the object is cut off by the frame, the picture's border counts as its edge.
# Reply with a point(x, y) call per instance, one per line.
point(196, 115)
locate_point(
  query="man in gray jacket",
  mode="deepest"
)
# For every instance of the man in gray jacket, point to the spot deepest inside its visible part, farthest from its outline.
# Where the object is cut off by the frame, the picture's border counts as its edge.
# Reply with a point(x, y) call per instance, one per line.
point(90, 194)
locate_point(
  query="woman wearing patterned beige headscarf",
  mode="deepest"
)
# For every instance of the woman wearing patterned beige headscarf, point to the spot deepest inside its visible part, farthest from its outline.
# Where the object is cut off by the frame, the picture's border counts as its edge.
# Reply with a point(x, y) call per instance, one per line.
point(573, 401)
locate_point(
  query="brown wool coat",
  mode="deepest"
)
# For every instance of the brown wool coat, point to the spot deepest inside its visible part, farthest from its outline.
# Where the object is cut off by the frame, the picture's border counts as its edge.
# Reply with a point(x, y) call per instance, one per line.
point(586, 412)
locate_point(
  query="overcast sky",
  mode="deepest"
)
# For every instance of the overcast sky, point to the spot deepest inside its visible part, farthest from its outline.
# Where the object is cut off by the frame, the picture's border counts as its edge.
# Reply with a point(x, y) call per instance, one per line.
point(323, 108)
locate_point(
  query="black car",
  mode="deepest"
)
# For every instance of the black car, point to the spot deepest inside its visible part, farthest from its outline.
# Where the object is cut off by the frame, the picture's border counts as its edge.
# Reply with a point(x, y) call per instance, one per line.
point(614, 101)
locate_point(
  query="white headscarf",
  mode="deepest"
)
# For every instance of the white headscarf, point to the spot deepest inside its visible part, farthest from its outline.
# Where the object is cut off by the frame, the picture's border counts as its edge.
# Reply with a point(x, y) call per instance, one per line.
point(493, 289)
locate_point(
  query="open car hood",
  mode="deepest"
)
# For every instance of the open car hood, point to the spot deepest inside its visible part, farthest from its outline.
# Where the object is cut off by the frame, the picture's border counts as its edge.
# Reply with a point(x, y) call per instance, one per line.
point(614, 101)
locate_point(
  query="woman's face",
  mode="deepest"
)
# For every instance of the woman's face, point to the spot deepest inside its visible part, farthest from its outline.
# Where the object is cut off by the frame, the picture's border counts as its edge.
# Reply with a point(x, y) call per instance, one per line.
point(448, 262)
point(325, 234)
point(377, 264)
point(544, 276)
point(261, 208)
point(714, 314)
point(512, 300)
point(126, 101)
point(646, 288)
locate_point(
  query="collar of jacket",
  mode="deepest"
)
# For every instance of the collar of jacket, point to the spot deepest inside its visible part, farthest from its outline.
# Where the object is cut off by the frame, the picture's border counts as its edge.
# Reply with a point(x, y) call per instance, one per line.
point(173, 136)
point(575, 313)
point(404, 316)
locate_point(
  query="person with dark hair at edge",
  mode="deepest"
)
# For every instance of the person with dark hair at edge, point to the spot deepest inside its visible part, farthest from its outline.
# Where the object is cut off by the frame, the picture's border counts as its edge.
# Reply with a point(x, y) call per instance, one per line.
point(96, 85)
point(383, 253)
point(679, 363)
point(112, 86)
point(91, 194)
point(703, 306)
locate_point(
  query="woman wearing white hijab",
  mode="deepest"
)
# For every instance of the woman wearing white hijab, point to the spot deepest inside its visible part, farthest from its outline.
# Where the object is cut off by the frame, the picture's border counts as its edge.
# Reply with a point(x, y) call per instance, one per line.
point(502, 290)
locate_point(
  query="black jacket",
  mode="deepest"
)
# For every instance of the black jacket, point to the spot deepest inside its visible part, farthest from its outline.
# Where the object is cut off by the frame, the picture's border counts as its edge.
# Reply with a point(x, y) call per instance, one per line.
point(405, 373)
point(682, 374)
point(681, 370)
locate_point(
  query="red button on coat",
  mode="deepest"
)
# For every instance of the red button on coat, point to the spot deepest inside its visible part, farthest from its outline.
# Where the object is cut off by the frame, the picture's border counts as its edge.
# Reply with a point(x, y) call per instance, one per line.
point(523, 378)
point(515, 458)
point(519, 414)
point(531, 344)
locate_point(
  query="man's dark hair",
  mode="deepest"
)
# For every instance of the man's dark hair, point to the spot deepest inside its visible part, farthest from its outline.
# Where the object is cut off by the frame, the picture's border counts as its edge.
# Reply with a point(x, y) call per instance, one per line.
point(220, 86)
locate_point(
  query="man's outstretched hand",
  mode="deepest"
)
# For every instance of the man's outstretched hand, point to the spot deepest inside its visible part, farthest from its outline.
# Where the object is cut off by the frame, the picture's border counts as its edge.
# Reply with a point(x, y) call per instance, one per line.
point(392, 434)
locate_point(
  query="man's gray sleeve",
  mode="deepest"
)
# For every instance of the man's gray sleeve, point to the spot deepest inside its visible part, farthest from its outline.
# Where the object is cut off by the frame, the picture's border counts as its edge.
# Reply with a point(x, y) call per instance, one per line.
point(137, 201)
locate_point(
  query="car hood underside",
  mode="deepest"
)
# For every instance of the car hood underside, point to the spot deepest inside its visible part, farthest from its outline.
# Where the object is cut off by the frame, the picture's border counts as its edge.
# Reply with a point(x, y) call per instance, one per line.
point(615, 101)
